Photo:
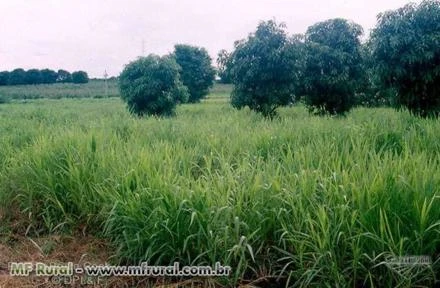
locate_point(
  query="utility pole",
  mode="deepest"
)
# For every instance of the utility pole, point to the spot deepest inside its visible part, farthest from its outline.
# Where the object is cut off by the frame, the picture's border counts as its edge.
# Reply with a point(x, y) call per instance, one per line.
point(143, 48)
point(106, 83)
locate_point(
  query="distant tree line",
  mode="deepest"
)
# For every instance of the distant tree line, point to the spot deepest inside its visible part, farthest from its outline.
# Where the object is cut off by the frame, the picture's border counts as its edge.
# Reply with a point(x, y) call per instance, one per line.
point(45, 76)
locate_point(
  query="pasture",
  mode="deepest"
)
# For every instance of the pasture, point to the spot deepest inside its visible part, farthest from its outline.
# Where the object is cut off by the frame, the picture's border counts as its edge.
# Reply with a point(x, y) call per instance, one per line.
point(299, 200)
point(93, 89)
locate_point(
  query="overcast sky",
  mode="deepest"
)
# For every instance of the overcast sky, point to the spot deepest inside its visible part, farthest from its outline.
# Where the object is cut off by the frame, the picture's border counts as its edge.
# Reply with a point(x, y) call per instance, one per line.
point(94, 35)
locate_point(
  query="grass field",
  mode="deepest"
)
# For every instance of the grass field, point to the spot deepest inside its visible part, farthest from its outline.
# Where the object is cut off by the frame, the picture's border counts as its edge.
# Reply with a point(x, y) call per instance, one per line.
point(303, 200)
point(93, 89)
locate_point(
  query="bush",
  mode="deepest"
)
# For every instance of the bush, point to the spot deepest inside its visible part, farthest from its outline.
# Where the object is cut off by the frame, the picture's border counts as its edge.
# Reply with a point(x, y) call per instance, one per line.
point(197, 72)
point(333, 66)
point(406, 49)
point(151, 86)
point(264, 69)
point(80, 77)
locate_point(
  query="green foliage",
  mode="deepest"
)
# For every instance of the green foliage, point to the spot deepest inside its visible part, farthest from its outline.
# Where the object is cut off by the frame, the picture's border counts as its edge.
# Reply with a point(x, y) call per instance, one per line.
point(197, 72)
point(33, 76)
point(79, 77)
point(318, 202)
point(48, 76)
point(36, 76)
point(264, 69)
point(406, 49)
point(375, 97)
point(17, 77)
point(332, 66)
point(370, 92)
point(64, 76)
point(4, 78)
point(151, 86)
point(224, 66)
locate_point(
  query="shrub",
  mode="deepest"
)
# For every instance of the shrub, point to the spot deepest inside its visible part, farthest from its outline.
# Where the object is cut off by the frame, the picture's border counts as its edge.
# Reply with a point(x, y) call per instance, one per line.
point(80, 77)
point(333, 66)
point(151, 86)
point(406, 48)
point(197, 72)
point(264, 69)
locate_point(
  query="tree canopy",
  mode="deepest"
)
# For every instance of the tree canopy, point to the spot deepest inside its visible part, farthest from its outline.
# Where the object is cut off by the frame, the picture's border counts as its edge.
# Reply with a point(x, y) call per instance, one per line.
point(264, 69)
point(80, 77)
point(333, 66)
point(406, 48)
point(20, 76)
point(17, 77)
point(33, 76)
point(64, 76)
point(197, 72)
point(151, 86)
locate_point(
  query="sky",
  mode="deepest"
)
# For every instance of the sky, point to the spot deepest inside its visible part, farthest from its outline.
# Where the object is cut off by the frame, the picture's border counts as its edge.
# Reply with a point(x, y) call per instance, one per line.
point(104, 35)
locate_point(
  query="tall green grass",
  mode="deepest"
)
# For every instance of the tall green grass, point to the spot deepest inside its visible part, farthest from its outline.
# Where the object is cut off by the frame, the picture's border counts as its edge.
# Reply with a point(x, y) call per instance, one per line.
point(311, 201)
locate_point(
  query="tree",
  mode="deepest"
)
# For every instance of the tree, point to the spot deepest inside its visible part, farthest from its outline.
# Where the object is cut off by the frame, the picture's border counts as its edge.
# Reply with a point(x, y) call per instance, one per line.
point(33, 77)
point(197, 72)
point(406, 48)
point(80, 77)
point(64, 76)
point(48, 76)
point(333, 66)
point(4, 78)
point(224, 66)
point(17, 77)
point(151, 86)
point(264, 69)
point(371, 92)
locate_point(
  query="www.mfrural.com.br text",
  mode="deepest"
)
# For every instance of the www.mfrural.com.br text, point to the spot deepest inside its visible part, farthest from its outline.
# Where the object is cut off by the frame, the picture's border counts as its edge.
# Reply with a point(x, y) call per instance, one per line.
point(71, 269)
